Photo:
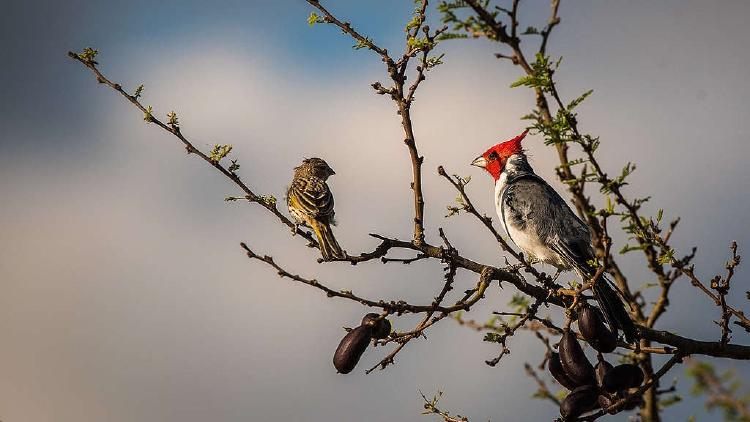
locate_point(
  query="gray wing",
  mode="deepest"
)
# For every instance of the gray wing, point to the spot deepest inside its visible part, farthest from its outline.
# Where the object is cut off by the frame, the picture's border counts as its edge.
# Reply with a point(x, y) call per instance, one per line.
point(530, 203)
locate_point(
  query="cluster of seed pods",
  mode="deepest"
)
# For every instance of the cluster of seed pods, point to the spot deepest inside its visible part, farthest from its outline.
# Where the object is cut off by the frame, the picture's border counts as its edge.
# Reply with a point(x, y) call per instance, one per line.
point(591, 387)
point(355, 342)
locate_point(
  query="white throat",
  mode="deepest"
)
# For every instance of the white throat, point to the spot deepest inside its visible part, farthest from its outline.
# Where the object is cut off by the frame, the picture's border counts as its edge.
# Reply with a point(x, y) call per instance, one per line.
point(511, 167)
point(500, 186)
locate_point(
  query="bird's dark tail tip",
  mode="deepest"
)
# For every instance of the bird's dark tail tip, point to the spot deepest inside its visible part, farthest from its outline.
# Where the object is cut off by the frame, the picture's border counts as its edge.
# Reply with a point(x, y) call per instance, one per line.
point(615, 311)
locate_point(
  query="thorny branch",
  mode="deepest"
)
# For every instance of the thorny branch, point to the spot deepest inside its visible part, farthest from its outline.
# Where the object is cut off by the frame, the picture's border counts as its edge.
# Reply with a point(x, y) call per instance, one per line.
point(430, 408)
point(721, 285)
point(561, 130)
point(650, 238)
point(402, 95)
point(429, 320)
point(511, 330)
point(397, 307)
point(174, 129)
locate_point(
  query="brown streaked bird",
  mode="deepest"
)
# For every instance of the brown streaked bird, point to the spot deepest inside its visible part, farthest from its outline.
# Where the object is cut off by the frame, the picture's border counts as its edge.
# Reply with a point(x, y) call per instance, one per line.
point(310, 203)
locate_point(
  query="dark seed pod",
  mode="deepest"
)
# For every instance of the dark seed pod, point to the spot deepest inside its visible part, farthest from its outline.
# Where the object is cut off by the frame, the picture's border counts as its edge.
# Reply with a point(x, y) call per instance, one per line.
point(590, 322)
point(622, 377)
point(601, 370)
point(351, 348)
point(381, 327)
point(593, 329)
point(607, 343)
point(557, 371)
point(578, 402)
point(574, 362)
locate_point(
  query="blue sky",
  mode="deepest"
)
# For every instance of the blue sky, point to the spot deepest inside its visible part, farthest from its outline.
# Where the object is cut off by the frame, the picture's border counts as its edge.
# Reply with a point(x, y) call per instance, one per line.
point(126, 295)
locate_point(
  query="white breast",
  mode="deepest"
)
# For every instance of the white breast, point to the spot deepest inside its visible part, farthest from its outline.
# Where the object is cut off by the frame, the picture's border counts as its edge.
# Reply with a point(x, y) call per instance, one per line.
point(527, 240)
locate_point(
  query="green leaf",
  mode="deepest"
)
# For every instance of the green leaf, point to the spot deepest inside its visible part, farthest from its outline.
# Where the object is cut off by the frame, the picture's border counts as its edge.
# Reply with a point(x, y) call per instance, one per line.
point(417, 43)
point(629, 248)
point(138, 91)
point(666, 256)
point(573, 104)
point(271, 200)
point(415, 21)
point(519, 302)
point(172, 116)
point(432, 62)
point(450, 36)
point(492, 337)
point(523, 80)
point(88, 54)
point(148, 116)
point(219, 152)
point(366, 43)
point(541, 74)
point(314, 18)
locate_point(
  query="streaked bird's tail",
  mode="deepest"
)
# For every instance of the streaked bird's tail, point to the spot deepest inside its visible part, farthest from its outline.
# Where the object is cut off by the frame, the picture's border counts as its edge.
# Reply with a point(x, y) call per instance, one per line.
point(613, 308)
point(329, 247)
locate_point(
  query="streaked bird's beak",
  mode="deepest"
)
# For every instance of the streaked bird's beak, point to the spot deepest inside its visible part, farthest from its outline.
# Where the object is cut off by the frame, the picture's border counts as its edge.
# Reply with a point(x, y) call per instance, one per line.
point(479, 162)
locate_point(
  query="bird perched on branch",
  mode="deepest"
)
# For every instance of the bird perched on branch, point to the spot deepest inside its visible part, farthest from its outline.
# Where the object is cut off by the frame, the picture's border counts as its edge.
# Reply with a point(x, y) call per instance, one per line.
point(542, 224)
point(310, 203)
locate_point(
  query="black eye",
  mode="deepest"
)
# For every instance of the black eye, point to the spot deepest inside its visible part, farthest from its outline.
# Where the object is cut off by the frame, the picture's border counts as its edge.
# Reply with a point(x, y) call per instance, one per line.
point(493, 156)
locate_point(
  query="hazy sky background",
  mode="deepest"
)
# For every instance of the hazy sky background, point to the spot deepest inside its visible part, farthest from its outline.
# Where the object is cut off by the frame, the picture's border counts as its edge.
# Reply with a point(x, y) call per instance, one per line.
point(125, 295)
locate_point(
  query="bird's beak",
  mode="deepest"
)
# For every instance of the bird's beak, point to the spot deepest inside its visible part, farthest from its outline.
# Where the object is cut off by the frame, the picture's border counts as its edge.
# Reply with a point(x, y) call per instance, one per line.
point(479, 162)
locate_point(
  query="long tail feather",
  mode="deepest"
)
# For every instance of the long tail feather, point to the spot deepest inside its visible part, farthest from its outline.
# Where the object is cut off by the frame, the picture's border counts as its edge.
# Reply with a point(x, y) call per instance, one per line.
point(329, 247)
point(614, 309)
